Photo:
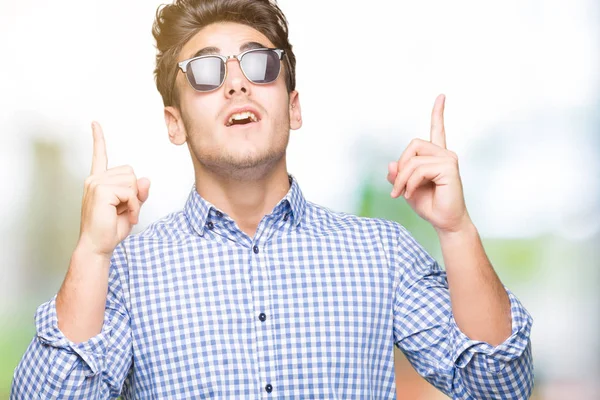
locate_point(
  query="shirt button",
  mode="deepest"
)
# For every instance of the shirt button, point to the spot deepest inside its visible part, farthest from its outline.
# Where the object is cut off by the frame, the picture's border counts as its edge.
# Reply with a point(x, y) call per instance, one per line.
point(255, 248)
point(262, 316)
point(219, 214)
point(210, 225)
point(269, 388)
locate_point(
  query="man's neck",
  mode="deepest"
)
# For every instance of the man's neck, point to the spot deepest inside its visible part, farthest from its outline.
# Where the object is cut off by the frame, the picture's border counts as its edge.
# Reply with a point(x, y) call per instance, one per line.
point(245, 201)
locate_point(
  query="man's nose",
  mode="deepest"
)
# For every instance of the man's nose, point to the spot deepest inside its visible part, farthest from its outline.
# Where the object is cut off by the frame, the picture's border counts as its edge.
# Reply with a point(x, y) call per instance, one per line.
point(236, 81)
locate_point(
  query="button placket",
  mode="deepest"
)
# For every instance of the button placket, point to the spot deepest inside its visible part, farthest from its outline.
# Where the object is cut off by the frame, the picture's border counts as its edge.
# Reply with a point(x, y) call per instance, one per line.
point(265, 345)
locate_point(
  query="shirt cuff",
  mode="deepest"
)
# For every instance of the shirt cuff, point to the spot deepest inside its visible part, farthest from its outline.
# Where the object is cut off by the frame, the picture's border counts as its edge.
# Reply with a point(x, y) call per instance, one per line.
point(92, 351)
point(497, 357)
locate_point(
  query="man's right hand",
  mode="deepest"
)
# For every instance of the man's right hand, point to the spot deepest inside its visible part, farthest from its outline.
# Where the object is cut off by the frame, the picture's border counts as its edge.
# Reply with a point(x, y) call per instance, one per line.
point(111, 204)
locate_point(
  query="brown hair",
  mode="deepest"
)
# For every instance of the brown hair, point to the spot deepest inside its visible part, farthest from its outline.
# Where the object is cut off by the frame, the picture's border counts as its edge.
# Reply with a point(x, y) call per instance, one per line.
point(177, 23)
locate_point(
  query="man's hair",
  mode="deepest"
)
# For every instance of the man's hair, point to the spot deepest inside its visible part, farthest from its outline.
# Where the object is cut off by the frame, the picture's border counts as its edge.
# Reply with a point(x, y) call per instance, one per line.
point(177, 23)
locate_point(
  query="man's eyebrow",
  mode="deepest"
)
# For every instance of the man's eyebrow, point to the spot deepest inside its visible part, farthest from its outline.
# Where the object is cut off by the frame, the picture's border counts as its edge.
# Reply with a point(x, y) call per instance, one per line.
point(206, 50)
point(252, 45)
point(216, 50)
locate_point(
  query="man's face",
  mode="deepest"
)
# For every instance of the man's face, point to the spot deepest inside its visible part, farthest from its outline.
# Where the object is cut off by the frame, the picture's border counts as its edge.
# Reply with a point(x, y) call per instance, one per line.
point(240, 150)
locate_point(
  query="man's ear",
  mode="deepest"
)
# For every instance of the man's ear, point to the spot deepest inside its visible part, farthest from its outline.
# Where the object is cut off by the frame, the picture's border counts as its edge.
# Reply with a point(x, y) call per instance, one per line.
point(175, 126)
point(295, 111)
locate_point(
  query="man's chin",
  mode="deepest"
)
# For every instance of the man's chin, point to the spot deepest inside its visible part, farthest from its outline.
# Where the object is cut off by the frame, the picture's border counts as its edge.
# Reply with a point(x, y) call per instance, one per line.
point(242, 161)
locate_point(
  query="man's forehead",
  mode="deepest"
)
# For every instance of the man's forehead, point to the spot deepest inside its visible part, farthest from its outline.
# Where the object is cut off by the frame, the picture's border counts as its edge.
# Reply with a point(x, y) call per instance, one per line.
point(224, 37)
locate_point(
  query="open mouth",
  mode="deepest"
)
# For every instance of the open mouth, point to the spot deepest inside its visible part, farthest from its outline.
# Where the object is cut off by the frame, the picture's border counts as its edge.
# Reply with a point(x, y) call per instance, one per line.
point(242, 118)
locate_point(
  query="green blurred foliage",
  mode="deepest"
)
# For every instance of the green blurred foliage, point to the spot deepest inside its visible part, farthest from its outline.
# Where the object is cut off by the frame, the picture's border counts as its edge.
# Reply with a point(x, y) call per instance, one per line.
point(13, 342)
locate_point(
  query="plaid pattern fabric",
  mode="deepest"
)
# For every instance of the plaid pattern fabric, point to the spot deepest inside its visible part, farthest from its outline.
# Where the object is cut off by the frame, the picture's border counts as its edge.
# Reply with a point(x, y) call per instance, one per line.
point(310, 307)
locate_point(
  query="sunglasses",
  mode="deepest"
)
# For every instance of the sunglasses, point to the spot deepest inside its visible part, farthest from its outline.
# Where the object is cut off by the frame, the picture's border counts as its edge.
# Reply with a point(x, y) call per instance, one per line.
point(207, 73)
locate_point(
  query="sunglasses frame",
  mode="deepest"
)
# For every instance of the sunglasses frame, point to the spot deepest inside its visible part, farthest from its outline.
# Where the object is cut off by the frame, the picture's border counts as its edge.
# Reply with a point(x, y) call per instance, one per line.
point(183, 65)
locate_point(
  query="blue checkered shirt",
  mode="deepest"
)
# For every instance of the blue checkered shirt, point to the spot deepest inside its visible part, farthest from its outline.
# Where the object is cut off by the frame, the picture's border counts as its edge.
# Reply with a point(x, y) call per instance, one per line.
point(310, 307)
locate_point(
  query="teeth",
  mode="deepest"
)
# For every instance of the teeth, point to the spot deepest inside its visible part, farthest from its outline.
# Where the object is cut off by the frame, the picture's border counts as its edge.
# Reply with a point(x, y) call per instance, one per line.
point(241, 116)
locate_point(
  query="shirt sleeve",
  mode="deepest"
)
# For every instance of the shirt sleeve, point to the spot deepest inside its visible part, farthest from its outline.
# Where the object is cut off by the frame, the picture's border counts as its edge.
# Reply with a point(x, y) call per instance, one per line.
point(425, 331)
point(53, 367)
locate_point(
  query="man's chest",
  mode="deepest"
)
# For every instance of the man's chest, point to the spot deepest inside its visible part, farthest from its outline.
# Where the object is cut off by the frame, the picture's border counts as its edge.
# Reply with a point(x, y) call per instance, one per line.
point(255, 316)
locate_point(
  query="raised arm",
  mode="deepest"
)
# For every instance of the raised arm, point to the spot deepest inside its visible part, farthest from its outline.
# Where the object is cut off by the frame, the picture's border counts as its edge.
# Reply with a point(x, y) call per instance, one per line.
point(428, 177)
point(82, 347)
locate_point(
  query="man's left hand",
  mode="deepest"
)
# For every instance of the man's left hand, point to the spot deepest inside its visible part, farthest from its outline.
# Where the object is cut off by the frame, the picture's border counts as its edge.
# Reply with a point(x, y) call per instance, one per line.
point(427, 175)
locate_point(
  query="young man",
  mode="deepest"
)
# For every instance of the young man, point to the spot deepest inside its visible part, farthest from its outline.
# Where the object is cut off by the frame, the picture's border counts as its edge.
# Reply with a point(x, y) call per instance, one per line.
point(251, 291)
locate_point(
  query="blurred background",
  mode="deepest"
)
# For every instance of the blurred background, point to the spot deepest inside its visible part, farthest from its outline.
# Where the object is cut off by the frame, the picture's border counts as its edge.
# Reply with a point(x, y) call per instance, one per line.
point(522, 112)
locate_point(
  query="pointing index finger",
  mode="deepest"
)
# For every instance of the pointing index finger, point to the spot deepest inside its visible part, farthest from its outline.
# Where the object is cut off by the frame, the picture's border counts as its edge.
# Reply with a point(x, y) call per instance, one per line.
point(438, 132)
point(99, 158)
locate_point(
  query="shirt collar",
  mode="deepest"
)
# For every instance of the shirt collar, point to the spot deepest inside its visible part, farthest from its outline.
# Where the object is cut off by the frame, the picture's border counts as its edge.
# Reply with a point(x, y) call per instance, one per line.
point(198, 210)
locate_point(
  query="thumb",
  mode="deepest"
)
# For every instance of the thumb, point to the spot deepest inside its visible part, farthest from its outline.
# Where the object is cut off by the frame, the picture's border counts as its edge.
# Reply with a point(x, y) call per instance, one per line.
point(143, 189)
point(392, 172)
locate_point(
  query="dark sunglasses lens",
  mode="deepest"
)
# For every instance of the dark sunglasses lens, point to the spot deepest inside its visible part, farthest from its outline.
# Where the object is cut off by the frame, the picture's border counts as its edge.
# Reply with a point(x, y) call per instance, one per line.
point(261, 66)
point(206, 74)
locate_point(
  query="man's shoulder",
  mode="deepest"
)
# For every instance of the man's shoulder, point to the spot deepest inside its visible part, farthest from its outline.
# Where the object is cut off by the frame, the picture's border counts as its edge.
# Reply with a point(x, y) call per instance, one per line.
point(321, 215)
point(170, 226)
